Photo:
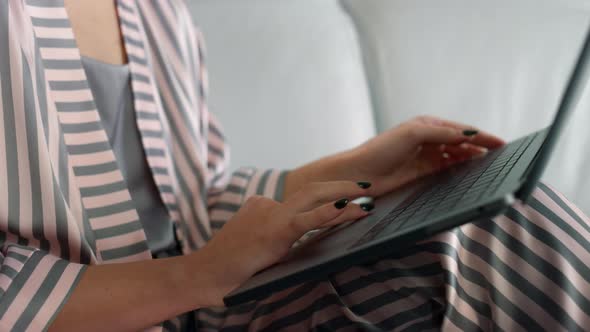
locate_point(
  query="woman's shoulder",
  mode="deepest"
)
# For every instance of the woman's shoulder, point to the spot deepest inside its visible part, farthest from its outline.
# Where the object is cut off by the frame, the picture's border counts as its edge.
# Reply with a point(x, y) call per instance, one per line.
point(174, 13)
point(170, 21)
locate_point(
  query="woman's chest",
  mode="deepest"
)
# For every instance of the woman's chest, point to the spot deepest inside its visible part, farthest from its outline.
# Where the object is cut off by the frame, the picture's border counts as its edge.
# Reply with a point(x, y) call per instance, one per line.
point(96, 29)
point(60, 167)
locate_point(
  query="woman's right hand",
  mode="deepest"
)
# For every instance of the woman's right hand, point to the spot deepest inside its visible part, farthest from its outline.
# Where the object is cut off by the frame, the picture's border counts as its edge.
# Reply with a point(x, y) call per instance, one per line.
point(135, 295)
point(263, 231)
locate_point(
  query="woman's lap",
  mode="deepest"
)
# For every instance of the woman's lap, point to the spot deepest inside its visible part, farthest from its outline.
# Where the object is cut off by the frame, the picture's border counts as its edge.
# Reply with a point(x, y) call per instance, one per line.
point(522, 270)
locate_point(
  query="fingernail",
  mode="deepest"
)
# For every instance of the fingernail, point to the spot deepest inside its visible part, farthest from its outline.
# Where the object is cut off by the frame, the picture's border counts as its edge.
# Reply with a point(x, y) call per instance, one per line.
point(470, 132)
point(364, 185)
point(367, 206)
point(341, 204)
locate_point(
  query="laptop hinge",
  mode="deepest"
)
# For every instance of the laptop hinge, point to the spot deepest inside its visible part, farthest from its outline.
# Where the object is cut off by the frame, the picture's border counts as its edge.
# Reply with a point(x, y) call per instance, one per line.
point(524, 189)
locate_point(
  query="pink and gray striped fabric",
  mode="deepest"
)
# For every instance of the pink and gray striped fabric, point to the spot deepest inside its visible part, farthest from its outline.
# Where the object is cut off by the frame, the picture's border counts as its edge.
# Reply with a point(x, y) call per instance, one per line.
point(63, 201)
point(526, 270)
point(64, 204)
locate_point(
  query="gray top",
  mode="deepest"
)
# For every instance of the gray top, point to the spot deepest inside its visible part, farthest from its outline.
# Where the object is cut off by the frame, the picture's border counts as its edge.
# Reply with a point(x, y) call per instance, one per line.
point(111, 88)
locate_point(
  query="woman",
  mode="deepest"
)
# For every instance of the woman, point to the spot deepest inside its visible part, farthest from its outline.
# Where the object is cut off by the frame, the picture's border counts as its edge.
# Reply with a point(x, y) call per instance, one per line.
point(108, 154)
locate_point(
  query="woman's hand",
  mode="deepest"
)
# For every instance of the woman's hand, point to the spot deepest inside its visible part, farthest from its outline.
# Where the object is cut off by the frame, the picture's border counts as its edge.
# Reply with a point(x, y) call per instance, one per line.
point(416, 148)
point(263, 231)
point(402, 154)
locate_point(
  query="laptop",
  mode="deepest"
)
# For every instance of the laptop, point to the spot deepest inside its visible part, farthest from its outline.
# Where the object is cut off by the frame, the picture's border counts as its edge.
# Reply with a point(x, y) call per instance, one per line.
point(478, 189)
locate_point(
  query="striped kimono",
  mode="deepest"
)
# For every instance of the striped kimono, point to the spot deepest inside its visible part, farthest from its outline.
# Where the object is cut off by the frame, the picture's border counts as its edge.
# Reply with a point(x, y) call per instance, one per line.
point(64, 204)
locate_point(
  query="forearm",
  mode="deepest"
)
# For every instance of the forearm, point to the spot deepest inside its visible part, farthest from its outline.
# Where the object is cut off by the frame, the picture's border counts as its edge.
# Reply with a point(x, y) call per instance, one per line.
point(133, 296)
point(331, 168)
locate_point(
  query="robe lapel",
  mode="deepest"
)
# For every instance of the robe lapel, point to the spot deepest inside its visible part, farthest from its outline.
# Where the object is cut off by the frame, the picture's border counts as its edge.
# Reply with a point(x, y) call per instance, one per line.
point(155, 134)
point(108, 208)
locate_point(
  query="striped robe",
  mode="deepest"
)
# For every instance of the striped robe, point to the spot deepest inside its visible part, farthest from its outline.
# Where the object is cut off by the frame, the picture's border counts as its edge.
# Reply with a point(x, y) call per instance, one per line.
point(63, 201)
point(64, 204)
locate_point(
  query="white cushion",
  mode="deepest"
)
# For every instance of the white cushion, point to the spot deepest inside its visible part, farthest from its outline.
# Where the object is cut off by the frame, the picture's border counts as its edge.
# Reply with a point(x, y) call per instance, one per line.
point(500, 65)
point(286, 79)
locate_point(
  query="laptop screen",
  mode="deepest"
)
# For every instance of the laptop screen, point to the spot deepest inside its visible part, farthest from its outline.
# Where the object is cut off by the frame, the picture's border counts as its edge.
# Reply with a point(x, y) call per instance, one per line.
point(571, 96)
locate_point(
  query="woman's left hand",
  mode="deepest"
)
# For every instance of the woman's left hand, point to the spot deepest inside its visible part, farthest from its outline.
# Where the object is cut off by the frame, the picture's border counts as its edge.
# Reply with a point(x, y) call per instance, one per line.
point(414, 149)
point(400, 155)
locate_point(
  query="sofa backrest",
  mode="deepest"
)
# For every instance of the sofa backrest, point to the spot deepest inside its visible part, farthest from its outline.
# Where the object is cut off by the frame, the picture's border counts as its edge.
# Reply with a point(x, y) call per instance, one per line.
point(286, 78)
point(288, 82)
point(500, 65)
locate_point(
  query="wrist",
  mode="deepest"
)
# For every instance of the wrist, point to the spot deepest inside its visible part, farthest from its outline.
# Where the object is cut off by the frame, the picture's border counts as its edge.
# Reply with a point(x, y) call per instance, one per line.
point(208, 278)
point(332, 168)
point(185, 282)
point(192, 282)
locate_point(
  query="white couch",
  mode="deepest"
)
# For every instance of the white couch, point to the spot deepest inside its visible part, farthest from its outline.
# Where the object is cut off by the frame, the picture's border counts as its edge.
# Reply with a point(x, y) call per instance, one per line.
point(294, 80)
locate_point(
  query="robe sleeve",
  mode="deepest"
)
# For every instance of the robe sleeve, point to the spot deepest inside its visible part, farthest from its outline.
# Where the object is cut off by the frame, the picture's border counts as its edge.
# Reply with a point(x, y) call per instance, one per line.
point(34, 285)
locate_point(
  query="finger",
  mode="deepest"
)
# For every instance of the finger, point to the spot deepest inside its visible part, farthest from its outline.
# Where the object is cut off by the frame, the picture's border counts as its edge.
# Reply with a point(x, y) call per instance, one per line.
point(442, 156)
point(353, 214)
point(318, 193)
point(326, 215)
point(482, 138)
point(463, 151)
point(420, 134)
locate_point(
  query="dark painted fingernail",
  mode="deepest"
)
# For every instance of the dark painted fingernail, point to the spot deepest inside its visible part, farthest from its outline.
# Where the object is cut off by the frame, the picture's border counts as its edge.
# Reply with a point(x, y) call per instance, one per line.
point(470, 132)
point(364, 185)
point(341, 204)
point(367, 206)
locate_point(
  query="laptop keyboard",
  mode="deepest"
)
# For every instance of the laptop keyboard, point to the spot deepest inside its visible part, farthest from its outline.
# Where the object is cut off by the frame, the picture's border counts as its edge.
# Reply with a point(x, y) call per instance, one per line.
point(465, 185)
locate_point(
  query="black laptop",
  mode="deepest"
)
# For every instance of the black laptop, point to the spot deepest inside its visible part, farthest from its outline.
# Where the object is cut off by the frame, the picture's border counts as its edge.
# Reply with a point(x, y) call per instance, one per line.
point(473, 190)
